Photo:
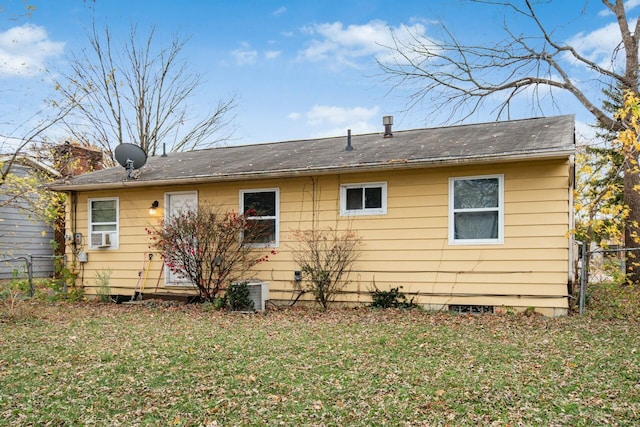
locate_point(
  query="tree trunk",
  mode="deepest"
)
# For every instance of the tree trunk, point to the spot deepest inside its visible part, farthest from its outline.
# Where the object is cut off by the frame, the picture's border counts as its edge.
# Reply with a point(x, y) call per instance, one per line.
point(632, 223)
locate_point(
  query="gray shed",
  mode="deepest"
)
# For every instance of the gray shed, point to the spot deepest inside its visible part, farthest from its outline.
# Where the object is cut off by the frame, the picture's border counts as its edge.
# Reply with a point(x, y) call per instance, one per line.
point(21, 236)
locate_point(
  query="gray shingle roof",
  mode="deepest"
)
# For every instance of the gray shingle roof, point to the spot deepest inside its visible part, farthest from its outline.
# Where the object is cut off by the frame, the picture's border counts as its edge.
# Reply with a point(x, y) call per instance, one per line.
point(484, 142)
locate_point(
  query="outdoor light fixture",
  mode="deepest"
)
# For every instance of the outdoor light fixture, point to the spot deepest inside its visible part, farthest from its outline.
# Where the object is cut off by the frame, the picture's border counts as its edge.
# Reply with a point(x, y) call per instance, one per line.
point(154, 206)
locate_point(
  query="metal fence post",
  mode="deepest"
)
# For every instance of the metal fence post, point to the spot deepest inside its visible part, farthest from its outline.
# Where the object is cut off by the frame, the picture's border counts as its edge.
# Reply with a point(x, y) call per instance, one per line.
point(583, 276)
point(64, 281)
point(30, 274)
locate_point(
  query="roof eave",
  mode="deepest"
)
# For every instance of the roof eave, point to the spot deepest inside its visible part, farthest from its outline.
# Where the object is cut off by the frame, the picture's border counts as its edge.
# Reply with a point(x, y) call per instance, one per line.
point(21, 159)
point(287, 173)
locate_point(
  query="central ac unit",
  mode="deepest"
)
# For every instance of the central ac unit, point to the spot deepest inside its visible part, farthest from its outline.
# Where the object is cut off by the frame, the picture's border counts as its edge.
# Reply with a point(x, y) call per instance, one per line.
point(100, 239)
point(259, 294)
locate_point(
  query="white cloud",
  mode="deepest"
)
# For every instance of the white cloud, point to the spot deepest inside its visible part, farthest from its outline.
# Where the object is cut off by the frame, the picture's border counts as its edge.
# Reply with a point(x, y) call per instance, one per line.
point(585, 133)
point(272, 54)
point(323, 121)
point(628, 5)
point(279, 11)
point(327, 121)
point(356, 128)
point(600, 44)
point(25, 49)
point(325, 114)
point(343, 45)
point(245, 55)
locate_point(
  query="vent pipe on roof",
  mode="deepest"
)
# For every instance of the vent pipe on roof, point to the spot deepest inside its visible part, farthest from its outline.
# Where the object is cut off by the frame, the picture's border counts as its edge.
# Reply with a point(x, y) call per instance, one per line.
point(164, 150)
point(387, 121)
point(348, 147)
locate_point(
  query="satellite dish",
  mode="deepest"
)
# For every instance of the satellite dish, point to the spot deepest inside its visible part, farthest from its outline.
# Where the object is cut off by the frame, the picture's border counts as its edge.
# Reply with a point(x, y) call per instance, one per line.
point(130, 157)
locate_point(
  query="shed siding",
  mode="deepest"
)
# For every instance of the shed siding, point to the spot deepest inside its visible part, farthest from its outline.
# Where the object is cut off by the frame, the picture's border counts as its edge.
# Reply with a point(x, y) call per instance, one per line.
point(21, 236)
point(407, 247)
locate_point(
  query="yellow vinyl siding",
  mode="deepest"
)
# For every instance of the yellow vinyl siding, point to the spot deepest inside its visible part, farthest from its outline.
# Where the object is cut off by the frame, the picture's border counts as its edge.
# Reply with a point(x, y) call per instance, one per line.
point(408, 246)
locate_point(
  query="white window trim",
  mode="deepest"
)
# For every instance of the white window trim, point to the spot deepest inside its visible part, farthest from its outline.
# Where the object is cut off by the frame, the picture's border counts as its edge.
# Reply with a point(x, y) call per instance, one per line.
point(500, 210)
point(114, 235)
point(364, 211)
point(275, 243)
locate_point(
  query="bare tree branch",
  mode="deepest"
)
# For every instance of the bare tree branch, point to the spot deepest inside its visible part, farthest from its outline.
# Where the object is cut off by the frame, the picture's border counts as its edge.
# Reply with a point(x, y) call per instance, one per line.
point(33, 133)
point(462, 78)
point(137, 93)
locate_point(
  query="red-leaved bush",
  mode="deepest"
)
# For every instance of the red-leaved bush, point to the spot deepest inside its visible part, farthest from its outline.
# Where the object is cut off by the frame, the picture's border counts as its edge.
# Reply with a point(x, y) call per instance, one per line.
point(206, 246)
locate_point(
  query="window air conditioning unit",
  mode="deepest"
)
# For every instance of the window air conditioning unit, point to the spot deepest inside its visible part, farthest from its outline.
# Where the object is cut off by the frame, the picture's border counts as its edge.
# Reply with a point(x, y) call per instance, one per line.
point(100, 239)
point(259, 294)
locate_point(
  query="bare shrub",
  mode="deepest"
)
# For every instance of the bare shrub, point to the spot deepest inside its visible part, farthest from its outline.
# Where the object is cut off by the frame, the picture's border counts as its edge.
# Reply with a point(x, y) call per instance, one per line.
point(325, 258)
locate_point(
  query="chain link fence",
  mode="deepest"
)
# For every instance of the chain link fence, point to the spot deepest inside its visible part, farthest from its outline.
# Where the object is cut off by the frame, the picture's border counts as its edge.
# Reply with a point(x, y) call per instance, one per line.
point(598, 265)
point(29, 267)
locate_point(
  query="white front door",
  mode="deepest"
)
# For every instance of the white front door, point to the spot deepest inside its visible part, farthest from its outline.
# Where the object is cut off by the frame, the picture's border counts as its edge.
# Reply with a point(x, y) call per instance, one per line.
point(175, 204)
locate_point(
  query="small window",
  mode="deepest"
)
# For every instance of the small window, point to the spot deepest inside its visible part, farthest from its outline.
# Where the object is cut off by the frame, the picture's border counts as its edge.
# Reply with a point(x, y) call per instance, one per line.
point(262, 206)
point(103, 223)
point(476, 210)
point(363, 199)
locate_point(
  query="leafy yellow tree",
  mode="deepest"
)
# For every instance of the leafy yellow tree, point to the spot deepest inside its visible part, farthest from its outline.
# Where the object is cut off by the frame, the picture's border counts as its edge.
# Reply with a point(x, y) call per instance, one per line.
point(598, 194)
point(24, 189)
point(629, 115)
point(627, 143)
point(598, 202)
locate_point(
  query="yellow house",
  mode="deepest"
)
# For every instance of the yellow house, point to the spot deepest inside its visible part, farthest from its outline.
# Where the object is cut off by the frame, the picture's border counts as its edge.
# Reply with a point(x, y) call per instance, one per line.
point(469, 218)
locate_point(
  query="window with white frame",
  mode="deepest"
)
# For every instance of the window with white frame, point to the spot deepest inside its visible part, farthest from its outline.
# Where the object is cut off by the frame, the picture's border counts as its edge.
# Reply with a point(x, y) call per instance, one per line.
point(363, 199)
point(103, 223)
point(476, 207)
point(262, 206)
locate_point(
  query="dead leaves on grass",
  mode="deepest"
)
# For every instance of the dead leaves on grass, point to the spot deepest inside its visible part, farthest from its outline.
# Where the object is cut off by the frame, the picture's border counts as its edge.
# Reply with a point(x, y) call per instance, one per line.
point(137, 365)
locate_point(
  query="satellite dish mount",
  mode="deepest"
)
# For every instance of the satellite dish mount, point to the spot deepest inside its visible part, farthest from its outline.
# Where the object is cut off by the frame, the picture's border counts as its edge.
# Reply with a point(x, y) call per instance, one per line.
point(130, 157)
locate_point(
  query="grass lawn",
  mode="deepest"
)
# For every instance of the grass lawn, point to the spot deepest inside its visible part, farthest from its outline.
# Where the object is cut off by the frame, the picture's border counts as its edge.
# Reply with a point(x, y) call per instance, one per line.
point(98, 364)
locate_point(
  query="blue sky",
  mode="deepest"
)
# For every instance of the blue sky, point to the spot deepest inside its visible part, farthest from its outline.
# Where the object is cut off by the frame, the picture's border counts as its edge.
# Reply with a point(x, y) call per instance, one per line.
point(300, 69)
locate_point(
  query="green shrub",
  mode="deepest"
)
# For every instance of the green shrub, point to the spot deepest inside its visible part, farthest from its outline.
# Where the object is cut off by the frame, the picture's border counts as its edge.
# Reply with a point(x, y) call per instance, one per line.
point(74, 294)
point(103, 290)
point(218, 303)
point(238, 296)
point(19, 284)
point(55, 290)
point(392, 298)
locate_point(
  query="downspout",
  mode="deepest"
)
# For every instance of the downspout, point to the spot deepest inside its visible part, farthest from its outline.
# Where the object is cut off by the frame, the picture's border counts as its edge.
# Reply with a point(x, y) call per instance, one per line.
point(73, 200)
point(572, 226)
point(73, 196)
